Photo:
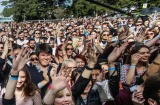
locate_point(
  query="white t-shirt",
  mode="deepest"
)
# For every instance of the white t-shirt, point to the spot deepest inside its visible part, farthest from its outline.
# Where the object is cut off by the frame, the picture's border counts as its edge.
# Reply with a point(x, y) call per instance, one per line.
point(19, 42)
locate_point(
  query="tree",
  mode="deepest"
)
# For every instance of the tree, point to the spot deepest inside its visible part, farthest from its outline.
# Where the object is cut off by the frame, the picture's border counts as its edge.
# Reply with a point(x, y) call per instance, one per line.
point(27, 9)
point(84, 8)
point(40, 9)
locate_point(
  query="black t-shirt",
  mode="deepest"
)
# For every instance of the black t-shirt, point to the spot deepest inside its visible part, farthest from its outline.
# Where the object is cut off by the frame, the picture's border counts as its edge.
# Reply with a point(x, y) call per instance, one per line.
point(8, 101)
point(37, 77)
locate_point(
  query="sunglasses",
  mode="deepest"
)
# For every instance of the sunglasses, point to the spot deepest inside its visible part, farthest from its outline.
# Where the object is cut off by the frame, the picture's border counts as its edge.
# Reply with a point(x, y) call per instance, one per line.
point(34, 59)
point(150, 33)
point(37, 33)
point(104, 34)
point(59, 49)
point(1, 47)
point(138, 24)
point(69, 48)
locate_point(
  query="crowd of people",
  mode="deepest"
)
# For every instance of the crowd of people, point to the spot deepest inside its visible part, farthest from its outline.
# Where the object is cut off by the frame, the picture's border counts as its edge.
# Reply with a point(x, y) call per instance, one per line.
point(81, 61)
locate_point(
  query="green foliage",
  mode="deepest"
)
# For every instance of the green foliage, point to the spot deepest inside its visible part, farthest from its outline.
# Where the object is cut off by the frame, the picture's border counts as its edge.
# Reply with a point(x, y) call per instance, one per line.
point(27, 9)
point(7, 12)
point(40, 9)
point(85, 8)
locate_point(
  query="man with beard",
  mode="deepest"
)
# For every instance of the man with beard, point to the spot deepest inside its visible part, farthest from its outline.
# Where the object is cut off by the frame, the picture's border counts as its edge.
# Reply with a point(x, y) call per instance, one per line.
point(32, 45)
point(21, 39)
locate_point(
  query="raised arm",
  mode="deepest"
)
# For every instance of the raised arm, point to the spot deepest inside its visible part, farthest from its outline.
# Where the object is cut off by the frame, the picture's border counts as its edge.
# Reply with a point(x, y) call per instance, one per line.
point(18, 64)
point(114, 56)
point(131, 73)
point(84, 78)
point(114, 81)
point(152, 41)
point(65, 57)
point(4, 54)
point(5, 51)
point(59, 83)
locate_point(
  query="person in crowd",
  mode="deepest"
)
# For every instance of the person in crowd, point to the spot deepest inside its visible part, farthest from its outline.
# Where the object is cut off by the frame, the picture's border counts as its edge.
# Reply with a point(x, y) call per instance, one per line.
point(33, 59)
point(103, 40)
point(32, 45)
point(80, 60)
point(69, 50)
point(68, 59)
point(21, 39)
point(37, 35)
point(136, 65)
point(150, 94)
point(20, 90)
point(42, 68)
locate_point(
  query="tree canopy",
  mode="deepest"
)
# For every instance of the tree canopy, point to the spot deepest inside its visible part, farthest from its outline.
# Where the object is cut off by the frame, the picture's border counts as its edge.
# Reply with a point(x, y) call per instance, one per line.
point(47, 9)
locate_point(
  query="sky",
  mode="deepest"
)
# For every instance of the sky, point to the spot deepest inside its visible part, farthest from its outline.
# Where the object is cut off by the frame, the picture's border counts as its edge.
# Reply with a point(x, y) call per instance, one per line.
point(1, 7)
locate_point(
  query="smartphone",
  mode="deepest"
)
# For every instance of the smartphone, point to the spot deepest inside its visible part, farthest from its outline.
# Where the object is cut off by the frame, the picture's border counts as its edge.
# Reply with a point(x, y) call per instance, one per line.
point(133, 88)
point(140, 31)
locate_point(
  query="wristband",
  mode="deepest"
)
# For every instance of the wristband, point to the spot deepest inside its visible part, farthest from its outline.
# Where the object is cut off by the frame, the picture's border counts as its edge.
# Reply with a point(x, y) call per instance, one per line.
point(88, 68)
point(39, 85)
point(15, 78)
point(112, 68)
point(132, 66)
point(50, 86)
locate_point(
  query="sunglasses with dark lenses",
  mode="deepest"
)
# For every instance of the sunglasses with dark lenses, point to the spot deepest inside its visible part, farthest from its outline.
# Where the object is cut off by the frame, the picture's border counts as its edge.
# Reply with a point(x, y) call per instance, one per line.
point(105, 34)
point(37, 33)
point(138, 24)
point(59, 49)
point(34, 59)
point(69, 48)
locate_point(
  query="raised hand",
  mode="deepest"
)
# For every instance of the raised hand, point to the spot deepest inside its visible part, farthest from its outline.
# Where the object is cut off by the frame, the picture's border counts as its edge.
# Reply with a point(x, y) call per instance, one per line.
point(45, 75)
point(117, 52)
point(53, 70)
point(137, 98)
point(96, 42)
point(66, 72)
point(64, 44)
point(123, 46)
point(92, 58)
point(6, 46)
point(140, 38)
point(20, 61)
point(60, 82)
point(5, 51)
point(135, 58)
